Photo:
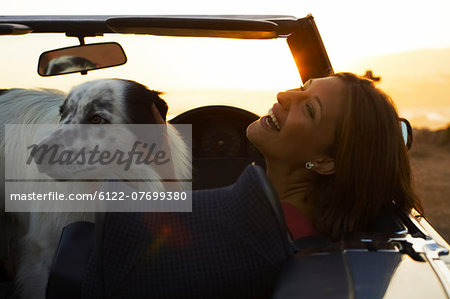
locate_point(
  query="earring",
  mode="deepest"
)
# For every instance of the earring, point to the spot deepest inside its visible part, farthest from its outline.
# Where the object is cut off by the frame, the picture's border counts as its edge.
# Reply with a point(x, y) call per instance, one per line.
point(309, 165)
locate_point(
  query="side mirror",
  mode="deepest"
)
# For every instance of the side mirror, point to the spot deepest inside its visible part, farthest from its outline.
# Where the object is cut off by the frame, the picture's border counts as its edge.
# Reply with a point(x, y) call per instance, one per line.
point(406, 132)
point(81, 59)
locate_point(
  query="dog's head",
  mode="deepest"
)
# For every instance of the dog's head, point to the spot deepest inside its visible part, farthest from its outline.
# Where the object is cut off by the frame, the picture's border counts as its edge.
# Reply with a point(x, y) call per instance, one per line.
point(67, 64)
point(101, 102)
point(111, 101)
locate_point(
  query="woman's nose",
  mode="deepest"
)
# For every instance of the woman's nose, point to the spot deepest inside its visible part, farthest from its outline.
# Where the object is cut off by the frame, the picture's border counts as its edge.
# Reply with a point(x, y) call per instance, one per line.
point(285, 98)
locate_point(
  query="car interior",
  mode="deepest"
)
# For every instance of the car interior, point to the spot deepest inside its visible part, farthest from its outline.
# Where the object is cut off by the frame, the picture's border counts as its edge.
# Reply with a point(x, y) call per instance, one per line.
point(372, 264)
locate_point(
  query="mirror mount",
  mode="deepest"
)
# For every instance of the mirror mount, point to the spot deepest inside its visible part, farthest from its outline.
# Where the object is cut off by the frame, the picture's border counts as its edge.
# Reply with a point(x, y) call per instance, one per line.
point(81, 40)
point(81, 36)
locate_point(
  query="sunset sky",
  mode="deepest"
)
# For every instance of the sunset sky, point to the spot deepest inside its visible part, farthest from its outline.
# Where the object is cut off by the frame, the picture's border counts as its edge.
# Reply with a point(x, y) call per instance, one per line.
point(407, 43)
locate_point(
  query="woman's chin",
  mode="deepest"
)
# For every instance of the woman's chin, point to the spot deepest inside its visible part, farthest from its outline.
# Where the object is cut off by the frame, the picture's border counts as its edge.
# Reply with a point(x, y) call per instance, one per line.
point(252, 132)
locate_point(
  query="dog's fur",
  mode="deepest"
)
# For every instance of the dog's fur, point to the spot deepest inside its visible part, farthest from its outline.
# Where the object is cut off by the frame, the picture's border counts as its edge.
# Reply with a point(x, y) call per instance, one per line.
point(19, 106)
point(119, 102)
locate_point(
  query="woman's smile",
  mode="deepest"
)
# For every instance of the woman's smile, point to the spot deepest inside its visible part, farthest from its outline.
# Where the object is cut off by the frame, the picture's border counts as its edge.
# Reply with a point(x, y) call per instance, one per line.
point(271, 121)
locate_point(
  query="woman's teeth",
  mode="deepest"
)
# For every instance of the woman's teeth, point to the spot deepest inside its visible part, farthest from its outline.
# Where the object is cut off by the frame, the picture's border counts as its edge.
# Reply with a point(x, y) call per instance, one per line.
point(272, 119)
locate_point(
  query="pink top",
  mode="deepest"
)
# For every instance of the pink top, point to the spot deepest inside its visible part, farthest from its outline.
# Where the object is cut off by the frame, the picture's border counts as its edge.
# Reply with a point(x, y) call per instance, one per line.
point(298, 225)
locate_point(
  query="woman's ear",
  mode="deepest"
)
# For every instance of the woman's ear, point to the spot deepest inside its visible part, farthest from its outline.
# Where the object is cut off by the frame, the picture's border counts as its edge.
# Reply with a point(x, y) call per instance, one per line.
point(324, 166)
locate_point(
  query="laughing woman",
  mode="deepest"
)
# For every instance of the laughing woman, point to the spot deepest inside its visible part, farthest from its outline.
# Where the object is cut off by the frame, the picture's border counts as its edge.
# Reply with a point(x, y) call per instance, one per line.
point(335, 154)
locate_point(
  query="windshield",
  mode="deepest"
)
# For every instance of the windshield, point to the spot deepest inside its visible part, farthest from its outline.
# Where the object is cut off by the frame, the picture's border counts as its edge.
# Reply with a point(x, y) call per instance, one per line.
point(191, 72)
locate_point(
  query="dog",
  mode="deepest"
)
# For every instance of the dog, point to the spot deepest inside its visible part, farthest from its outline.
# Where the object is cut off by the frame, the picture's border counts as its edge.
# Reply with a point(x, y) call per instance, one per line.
point(105, 101)
point(68, 64)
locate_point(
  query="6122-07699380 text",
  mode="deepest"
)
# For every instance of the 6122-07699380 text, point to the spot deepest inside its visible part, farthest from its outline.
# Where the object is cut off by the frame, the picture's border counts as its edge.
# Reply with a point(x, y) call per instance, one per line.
point(136, 196)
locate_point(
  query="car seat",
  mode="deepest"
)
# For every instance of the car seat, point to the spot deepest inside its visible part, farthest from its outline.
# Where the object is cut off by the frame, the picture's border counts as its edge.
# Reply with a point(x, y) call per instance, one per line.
point(233, 244)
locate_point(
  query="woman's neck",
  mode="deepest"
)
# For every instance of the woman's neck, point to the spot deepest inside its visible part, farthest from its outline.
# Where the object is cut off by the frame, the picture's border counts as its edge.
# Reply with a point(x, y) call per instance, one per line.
point(292, 186)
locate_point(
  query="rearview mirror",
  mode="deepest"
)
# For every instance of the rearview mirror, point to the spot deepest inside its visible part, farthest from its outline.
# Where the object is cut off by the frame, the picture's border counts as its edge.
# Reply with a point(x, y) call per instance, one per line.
point(81, 59)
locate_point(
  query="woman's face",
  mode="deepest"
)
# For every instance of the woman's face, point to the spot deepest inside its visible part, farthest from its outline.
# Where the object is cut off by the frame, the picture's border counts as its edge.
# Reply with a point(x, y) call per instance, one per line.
point(302, 125)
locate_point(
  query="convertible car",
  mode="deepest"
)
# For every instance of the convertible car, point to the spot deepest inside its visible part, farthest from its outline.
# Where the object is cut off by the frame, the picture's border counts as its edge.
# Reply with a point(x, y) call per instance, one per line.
point(211, 70)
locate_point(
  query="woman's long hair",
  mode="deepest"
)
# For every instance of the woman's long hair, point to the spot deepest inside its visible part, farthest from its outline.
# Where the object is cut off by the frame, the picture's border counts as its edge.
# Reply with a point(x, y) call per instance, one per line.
point(372, 170)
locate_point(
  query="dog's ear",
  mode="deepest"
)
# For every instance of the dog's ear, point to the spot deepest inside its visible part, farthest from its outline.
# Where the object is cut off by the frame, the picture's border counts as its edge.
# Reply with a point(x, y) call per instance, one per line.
point(161, 105)
point(139, 101)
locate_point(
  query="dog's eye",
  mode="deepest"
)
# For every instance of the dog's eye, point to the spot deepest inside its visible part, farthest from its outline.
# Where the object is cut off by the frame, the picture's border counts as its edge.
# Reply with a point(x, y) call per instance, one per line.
point(97, 119)
point(62, 113)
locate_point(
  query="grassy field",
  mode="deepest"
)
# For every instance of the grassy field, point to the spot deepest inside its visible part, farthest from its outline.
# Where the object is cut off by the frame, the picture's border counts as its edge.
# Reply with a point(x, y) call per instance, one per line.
point(430, 159)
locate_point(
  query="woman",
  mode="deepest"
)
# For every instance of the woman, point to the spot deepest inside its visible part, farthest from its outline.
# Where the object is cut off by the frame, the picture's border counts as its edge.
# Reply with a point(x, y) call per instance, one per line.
point(335, 155)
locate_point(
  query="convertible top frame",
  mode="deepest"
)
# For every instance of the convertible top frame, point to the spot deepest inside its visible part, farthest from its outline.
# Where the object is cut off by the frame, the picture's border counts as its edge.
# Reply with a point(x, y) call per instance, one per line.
point(302, 35)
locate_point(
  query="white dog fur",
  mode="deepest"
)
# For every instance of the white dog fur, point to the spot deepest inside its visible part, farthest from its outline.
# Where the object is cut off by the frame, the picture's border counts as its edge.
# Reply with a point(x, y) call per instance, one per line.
point(121, 102)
